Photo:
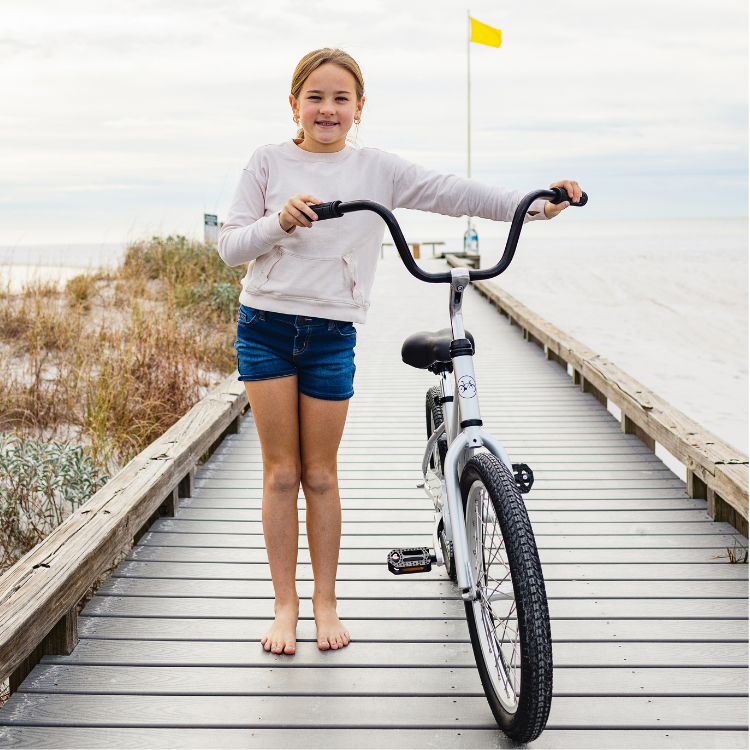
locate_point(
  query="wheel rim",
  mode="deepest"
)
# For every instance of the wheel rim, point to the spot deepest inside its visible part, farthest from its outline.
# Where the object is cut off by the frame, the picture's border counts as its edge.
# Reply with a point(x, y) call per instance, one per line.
point(495, 606)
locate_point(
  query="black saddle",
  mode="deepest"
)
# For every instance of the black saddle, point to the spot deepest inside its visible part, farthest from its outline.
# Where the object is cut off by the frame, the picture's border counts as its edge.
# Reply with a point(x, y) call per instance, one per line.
point(426, 349)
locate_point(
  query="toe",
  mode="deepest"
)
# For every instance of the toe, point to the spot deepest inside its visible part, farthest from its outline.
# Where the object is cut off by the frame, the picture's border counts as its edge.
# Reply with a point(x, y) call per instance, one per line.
point(323, 645)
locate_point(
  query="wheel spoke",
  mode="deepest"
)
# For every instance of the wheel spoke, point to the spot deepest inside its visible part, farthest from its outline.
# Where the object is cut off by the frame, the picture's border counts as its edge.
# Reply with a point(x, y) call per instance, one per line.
point(493, 572)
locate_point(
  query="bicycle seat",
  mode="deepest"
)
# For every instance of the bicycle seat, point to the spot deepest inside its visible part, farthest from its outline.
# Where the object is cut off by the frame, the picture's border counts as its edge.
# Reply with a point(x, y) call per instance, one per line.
point(424, 349)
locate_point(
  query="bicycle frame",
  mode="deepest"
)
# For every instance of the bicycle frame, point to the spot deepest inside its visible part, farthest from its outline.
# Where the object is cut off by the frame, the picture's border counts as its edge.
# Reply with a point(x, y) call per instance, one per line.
point(462, 423)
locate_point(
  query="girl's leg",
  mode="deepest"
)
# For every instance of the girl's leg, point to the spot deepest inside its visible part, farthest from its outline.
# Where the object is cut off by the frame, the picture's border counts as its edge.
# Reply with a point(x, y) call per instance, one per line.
point(321, 426)
point(275, 409)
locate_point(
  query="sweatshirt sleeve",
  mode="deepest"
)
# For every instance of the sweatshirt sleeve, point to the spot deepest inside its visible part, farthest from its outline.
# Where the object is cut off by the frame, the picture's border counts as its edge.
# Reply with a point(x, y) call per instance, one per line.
point(247, 233)
point(451, 195)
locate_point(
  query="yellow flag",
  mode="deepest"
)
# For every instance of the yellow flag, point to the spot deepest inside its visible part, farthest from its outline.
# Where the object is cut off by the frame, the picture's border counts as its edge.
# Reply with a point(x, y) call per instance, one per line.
point(481, 33)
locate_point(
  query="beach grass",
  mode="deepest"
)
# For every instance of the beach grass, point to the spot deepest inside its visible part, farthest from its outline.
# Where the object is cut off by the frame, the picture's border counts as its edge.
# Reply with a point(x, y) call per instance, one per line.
point(108, 363)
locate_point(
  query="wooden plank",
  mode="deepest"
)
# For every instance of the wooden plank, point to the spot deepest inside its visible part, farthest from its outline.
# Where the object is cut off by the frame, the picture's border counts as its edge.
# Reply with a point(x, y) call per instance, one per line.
point(374, 529)
point(408, 587)
point(414, 493)
point(106, 680)
point(439, 712)
point(406, 477)
point(424, 504)
point(351, 609)
point(350, 572)
point(393, 654)
point(565, 541)
point(703, 556)
point(397, 517)
point(95, 737)
point(409, 631)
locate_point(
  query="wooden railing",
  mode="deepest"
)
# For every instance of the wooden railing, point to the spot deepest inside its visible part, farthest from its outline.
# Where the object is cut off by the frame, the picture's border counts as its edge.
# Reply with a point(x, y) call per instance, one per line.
point(39, 595)
point(716, 471)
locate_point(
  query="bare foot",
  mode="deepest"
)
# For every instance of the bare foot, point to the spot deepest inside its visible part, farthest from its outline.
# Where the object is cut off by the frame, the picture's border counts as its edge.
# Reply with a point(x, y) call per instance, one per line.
point(331, 631)
point(282, 635)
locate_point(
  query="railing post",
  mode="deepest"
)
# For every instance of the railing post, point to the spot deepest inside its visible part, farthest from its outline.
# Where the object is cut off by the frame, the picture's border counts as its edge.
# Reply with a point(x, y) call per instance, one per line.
point(60, 641)
point(555, 357)
point(696, 487)
point(186, 487)
point(629, 427)
point(587, 387)
point(169, 507)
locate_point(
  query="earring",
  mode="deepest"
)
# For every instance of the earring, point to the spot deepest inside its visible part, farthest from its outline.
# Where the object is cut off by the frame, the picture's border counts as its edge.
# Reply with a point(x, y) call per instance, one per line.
point(357, 120)
point(296, 119)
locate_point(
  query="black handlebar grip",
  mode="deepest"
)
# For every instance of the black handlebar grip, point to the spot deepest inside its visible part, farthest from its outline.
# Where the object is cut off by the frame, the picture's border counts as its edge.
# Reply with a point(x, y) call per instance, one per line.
point(562, 196)
point(327, 210)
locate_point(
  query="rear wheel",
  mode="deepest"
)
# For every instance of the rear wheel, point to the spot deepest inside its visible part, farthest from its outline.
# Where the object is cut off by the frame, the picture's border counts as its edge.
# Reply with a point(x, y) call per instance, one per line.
point(434, 414)
point(509, 620)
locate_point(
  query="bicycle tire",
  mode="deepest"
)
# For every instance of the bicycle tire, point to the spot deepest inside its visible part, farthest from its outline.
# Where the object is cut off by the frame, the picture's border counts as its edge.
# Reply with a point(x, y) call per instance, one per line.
point(513, 655)
point(434, 414)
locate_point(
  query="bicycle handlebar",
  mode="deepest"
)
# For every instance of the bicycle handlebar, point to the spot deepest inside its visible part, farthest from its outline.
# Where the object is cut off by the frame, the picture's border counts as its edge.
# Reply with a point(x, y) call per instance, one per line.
point(337, 209)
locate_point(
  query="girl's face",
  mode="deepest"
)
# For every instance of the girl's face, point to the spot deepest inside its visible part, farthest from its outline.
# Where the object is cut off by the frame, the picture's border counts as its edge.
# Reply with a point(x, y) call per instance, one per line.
point(327, 107)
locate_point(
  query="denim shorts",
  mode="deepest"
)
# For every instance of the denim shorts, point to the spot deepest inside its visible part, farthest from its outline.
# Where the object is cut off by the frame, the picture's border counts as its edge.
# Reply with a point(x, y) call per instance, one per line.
point(319, 352)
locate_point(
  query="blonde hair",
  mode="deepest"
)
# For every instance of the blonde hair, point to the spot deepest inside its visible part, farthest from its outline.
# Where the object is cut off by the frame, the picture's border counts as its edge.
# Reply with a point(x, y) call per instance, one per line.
point(313, 60)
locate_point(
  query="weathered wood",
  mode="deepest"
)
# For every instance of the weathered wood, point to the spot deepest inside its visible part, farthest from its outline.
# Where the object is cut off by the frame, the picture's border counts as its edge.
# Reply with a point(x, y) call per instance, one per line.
point(414, 590)
point(186, 487)
point(333, 739)
point(416, 681)
point(48, 581)
point(393, 654)
point(383, 711)
point(330, 739)
point(354, 572)
point(554, 357)
point(718, 464)
point(706, 556)
point(349, 609)
point(61, 640)
point(629, 427)
point(412, 631)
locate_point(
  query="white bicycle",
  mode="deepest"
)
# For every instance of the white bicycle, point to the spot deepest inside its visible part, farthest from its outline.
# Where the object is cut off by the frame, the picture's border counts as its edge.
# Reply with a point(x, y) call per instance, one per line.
point(482, 533)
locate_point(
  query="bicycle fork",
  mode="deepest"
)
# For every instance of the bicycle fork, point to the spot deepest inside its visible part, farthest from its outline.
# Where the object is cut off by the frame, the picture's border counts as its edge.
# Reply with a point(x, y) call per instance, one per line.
point(465, 435)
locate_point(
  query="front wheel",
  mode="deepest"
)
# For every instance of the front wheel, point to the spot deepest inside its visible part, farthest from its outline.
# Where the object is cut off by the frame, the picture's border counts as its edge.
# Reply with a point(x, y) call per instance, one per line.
point(509, 619)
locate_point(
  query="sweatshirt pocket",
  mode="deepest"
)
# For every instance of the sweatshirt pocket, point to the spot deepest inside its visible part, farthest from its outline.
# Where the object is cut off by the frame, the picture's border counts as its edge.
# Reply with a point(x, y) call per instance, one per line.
point(285, 274)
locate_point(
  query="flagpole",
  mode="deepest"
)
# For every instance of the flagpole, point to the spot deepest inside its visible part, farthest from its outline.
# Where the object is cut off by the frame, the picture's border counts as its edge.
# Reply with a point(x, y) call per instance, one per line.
point(468, 101)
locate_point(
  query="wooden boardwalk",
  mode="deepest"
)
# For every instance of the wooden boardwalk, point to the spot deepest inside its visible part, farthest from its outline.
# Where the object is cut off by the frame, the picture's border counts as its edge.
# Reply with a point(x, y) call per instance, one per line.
point(649, 623)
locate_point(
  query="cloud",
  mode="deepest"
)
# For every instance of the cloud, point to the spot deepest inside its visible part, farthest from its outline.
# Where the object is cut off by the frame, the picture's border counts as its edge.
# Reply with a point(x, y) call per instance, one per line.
point(117, 116)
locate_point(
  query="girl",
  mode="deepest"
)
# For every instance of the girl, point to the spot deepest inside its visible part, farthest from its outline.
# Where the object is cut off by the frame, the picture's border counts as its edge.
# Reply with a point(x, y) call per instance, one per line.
point(305, 287)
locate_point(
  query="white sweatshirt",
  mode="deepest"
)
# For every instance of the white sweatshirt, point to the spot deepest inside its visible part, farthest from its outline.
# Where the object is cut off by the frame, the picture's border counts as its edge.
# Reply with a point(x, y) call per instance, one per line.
point(327, 271)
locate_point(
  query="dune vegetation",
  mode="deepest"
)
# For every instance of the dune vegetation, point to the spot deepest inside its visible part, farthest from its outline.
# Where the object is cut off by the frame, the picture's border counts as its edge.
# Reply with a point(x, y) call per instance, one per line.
point(93, 373)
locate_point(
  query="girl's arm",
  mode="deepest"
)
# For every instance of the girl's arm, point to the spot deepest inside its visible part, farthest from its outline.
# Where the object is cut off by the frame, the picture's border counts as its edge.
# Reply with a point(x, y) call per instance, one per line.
point(247, 233)
point(451, 195)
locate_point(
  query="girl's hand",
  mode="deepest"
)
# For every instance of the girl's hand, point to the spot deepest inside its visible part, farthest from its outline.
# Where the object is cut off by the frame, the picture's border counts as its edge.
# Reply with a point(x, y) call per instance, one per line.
point(550, 209)
point(297, 212)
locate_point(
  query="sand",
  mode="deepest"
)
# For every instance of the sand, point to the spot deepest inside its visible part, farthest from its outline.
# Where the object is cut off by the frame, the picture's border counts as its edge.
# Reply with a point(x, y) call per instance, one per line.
point(13, 278)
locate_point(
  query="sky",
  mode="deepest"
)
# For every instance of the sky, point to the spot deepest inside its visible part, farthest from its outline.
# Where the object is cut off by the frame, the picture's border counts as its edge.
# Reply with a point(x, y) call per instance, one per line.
point(123, 120)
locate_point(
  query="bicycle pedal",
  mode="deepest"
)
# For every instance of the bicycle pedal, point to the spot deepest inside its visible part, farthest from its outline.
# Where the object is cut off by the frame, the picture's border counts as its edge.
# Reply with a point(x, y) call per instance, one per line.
point(524, 477)
point(410, 560)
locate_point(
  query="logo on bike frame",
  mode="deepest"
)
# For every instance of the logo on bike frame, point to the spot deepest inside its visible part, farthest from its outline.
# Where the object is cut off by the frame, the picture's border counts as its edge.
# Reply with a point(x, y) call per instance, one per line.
point(467, 387)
